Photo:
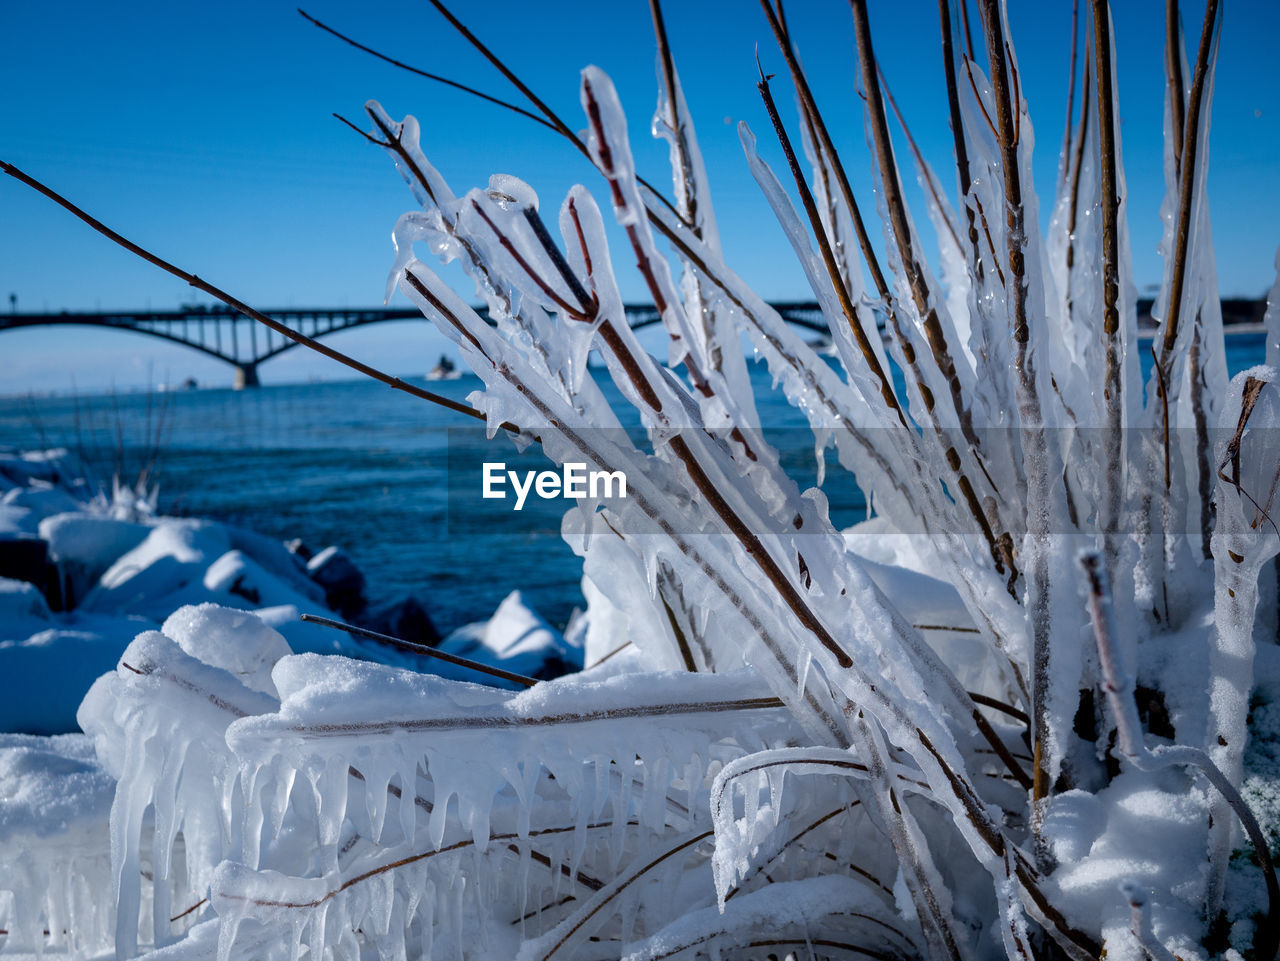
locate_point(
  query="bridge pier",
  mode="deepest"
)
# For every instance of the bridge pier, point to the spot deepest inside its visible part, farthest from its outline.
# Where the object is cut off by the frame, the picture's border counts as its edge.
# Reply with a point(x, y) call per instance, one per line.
point(246, 376)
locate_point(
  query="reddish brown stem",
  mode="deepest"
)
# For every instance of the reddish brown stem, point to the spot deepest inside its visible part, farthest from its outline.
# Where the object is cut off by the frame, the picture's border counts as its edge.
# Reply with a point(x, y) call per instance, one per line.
point(236, 304)
point(1071, 91)
point(828, 259)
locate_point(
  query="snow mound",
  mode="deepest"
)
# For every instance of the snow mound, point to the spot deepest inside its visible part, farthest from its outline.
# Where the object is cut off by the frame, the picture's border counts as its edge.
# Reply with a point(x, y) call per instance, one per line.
point(517, 638)
point(44, 676)
point(23, 610)
point(41, 501)
point(173, 557)
point(84, 545)
point(236, 641)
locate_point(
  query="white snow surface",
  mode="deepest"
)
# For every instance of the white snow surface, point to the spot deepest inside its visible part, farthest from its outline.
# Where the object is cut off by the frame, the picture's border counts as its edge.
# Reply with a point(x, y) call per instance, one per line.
point(516, 638)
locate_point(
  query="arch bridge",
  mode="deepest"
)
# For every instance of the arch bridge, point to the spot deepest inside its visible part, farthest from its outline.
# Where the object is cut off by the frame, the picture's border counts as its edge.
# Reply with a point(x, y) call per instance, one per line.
point(235, 339)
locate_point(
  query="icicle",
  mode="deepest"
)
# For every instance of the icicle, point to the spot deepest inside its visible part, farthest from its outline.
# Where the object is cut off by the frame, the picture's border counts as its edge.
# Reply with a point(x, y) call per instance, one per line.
point(621, 811)
point(377, 781)
point(804, 660)
point(1271, 319)
point(654, 794)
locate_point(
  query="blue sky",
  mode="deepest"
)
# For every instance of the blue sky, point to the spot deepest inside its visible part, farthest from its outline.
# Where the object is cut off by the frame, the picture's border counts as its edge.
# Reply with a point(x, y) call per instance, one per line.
point(204, 132)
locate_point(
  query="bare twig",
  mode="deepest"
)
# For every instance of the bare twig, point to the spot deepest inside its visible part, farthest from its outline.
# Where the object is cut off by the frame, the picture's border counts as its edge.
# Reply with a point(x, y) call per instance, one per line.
point(548, 117)
point(236, 304)
point(1000, 706)
point(1204, 466)
point(1073, 207)
point(968, 34)
point(935, 190)
point(515, 81)
point(682, 639)
point(811, 110)
point(183, 914)
point(416, 647)
point(974, 211)
point(689, 199)
point(316, 901)
point(515, 108)
point(1173, 80)
point(617, 650)
point(1071, 90)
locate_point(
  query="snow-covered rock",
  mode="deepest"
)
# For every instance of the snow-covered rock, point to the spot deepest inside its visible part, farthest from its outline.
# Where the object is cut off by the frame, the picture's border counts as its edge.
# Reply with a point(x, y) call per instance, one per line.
point(237, 580)
point(283, 563)
point(125, 576)
point(85, 545)
point(42, 501)
point(23, 610)
point(18, 521)
point(50, 785)
point(174, 556)
point(338, 576)
point(203, 583)
point(516, 638)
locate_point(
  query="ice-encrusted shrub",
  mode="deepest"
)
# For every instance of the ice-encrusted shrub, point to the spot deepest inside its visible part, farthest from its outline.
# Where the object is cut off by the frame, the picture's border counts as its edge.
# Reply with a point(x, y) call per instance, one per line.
point(1029, 745)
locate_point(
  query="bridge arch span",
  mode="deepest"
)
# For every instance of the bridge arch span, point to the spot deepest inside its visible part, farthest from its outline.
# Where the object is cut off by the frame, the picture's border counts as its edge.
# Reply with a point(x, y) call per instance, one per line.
point(228, 336)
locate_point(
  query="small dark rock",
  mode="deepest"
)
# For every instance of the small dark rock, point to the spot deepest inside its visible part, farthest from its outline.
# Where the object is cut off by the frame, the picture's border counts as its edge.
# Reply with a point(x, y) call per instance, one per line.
point(298, 548)
point(25, 559)
point(342, 581)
